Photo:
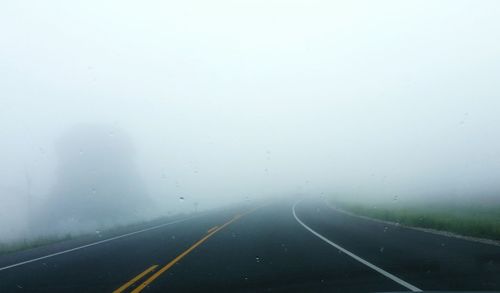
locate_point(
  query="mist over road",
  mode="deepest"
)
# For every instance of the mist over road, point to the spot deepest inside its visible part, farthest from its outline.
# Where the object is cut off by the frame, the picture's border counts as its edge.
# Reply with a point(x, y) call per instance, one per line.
point(263, 247)
point(128, 129)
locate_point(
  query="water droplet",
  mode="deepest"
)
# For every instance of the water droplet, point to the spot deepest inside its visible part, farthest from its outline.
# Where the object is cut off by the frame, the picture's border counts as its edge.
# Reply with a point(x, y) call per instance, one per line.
point(385, 229)
point(246, 279)
point(381, 249)
point(257, 259)
point(181, 198)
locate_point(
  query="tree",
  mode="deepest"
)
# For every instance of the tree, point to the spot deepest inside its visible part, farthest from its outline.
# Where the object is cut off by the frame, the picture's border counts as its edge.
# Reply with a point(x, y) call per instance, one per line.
point(98, 181)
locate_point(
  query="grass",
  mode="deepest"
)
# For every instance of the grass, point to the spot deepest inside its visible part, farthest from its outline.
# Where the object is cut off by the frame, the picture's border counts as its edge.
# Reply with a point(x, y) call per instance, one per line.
point(24, 244)
point(468, 219)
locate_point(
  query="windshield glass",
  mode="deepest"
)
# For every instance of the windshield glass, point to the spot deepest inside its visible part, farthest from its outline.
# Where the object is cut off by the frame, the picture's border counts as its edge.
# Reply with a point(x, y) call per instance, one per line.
point(249, 146)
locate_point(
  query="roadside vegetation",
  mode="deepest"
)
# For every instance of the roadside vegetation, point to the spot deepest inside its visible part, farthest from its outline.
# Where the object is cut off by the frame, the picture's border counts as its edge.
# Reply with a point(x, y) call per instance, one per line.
point(24, 244)
point(464, 218)
point(18, 245)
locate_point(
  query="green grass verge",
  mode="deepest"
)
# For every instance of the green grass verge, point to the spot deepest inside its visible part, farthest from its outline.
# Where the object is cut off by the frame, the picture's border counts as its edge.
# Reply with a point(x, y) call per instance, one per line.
point(24, 244)
point(468, 219)
point(31, 243)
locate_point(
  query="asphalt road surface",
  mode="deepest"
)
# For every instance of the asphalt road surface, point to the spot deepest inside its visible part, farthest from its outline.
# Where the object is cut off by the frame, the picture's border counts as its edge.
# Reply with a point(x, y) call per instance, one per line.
point(282, 246)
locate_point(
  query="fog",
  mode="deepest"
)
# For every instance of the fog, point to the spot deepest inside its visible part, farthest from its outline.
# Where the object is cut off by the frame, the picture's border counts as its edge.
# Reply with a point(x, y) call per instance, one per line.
point(117, 111)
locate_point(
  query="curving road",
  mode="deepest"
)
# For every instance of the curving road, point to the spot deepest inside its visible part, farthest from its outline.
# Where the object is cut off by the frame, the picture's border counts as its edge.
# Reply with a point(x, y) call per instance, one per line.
point(283, 246)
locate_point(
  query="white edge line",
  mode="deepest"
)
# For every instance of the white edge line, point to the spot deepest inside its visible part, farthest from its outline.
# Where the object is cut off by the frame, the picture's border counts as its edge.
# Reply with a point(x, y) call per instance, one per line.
point(359, 259)
point(426, 230)
point(96, 243)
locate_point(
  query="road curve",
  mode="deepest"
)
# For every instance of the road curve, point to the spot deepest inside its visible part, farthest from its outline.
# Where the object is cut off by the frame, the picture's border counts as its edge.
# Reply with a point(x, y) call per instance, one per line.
point(262, 248)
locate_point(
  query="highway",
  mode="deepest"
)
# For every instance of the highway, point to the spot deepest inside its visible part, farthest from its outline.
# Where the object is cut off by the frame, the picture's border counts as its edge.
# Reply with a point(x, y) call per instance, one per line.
point(282, 246)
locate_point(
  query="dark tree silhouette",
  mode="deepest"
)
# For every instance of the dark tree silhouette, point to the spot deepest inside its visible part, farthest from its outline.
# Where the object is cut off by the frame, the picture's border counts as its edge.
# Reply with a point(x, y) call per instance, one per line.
point(98, 181)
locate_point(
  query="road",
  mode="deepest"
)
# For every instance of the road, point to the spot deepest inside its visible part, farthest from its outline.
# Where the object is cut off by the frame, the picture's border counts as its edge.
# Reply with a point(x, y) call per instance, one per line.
point(277, 247)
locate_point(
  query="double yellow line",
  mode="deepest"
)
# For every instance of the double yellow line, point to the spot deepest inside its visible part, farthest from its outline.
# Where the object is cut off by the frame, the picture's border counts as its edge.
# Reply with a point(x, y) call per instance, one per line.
point(135, 279)
point(153, 277)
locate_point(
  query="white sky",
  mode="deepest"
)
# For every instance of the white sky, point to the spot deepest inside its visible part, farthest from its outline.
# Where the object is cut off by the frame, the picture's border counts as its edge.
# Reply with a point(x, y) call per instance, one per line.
point(231, 98)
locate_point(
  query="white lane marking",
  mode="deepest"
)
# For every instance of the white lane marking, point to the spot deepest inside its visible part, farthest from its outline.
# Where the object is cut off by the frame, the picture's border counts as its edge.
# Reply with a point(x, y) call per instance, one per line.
point(96, 243)
point(425, 230)
point(366, 263)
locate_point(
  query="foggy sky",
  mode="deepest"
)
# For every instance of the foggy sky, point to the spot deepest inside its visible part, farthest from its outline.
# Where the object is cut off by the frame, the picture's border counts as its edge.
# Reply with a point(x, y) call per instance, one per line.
point(224, 100)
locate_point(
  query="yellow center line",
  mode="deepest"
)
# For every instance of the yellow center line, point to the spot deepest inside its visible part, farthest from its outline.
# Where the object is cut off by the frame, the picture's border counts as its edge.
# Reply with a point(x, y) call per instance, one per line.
point(211, 229)
point(180, 256)
point(135, 279)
